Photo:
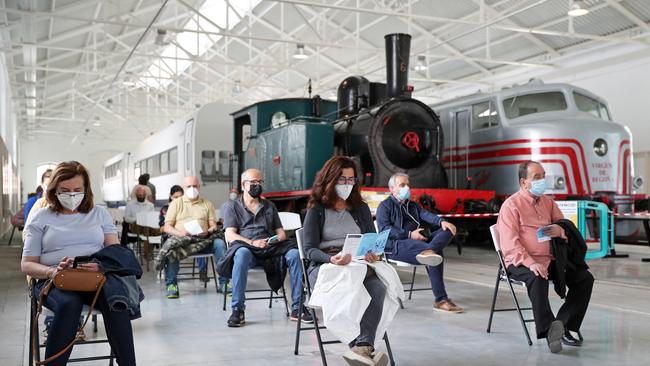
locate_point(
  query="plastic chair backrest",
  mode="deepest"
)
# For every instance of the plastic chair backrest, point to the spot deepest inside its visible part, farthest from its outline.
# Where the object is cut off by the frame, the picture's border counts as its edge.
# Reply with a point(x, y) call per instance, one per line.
point(147, 219)
point(495, 237)
point(300, 239)
point(290, 220)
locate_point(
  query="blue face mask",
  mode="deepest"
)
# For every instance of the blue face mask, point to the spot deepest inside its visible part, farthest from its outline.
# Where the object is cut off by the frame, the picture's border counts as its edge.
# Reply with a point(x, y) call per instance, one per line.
point(538, 187)
point(404, 193)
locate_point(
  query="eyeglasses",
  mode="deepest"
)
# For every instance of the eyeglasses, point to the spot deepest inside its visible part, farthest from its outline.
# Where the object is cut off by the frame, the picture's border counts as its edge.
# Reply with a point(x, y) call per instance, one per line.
point(346, 180)
point(255, 182)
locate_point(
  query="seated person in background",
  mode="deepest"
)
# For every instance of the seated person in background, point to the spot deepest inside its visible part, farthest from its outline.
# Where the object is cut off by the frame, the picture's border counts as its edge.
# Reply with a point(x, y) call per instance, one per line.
point(249, 222)
point(143, 180)
point(175, 192)
point(137, 203)
point(336, 209)
point(183, 211)
point(72, 226)
point(529, 260)
point(45, 180)
point(406, 241)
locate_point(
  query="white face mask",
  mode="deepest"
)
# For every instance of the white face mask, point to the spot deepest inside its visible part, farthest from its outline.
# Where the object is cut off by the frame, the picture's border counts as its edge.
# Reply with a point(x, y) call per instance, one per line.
point(70, 200)
point(192, 193)
point(344, 190)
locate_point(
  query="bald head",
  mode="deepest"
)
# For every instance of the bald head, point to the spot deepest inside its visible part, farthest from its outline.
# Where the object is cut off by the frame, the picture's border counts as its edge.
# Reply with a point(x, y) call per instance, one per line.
point(191, 181)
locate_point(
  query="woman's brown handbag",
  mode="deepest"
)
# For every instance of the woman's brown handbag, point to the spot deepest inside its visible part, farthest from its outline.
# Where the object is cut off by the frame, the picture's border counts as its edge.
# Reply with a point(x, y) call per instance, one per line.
point(71, 279)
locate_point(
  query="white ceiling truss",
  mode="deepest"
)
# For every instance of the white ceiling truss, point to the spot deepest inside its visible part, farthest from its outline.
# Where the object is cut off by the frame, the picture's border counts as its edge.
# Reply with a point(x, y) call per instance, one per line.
point(85, 66)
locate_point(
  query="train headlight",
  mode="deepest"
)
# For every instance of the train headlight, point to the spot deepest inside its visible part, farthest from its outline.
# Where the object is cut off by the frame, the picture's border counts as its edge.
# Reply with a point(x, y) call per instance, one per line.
point(600, 147)
point(559, 183)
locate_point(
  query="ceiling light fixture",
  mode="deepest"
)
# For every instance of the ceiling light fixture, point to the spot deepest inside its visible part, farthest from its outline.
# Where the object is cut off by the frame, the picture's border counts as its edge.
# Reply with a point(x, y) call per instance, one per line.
point(577, 8)
point(161, 38)
point(300, 52)
point(421, 65)
point(236, 89)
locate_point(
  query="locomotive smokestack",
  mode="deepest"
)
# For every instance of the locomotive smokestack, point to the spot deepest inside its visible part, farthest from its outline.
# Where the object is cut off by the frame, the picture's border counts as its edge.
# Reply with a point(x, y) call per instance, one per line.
point(398, 47)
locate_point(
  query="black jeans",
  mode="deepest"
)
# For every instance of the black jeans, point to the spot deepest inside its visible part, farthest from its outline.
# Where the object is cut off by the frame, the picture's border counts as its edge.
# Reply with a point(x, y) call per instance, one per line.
point(67, 306)
point(571, 313)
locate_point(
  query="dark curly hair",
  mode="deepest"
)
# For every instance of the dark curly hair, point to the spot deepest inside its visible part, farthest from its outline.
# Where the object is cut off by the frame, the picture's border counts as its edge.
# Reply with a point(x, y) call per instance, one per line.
point(324, 190)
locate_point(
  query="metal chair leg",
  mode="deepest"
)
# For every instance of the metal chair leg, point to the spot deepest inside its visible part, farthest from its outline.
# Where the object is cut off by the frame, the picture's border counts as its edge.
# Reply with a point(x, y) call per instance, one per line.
point(389, 350)
point(11, 237)
point(94, 323)
point(225, 293)
point(271, 298)
point(286, 303)
point(521, 316)
point(299, 323)
point(214, 274)
point(412, 282)
point(494, 299)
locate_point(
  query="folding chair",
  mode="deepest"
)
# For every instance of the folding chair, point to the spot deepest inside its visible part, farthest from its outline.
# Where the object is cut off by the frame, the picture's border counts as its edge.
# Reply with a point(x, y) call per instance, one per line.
point(33, 328)
point(405, 265)
point(502, 275)
point(304, 297)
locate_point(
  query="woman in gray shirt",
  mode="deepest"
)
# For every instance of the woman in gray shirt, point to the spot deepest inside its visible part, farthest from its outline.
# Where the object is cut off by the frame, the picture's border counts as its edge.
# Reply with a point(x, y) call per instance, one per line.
point(335, 210)
point(72, 226)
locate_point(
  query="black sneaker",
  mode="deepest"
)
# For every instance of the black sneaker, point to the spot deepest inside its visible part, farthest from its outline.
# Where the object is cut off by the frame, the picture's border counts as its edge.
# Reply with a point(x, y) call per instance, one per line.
point(236, 318)
point(306, 316)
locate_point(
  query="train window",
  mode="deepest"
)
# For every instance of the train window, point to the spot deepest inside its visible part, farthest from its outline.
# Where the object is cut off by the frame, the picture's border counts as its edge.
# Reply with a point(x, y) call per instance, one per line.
point(173, 160)
point(591, 106)
point(164, 162)
point(521, 105)
point(484, 115)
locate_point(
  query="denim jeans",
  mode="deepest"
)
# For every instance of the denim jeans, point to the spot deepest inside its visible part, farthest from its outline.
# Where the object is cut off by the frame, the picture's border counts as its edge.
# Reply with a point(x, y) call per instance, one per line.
point(407, 249)
point(67, 306)
point(244, 260)
point(172, 268)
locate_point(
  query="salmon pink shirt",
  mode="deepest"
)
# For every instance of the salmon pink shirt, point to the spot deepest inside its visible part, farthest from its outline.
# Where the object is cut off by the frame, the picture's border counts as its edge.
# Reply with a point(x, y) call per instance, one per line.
point(519, 218)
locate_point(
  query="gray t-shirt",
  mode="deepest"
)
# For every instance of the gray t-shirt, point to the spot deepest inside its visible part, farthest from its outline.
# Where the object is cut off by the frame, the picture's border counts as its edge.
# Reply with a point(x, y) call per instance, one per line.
point(337, 225)
point(52, 235)
point(259, 225)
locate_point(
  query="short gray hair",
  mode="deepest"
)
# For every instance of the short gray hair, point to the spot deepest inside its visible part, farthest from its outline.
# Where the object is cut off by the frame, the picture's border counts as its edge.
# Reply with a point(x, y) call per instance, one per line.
point(391, 181)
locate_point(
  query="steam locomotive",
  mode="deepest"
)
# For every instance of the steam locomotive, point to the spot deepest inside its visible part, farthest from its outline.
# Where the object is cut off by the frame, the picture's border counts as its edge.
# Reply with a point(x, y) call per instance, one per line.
point(379, 125)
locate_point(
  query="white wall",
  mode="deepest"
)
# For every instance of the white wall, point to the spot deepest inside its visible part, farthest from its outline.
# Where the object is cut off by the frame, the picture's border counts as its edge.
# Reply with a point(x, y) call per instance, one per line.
point(57, 149)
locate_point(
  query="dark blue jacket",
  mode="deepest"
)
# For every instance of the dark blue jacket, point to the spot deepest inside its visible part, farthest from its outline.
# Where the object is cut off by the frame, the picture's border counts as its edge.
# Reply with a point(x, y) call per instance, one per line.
point(122, 270)
point(391, 214)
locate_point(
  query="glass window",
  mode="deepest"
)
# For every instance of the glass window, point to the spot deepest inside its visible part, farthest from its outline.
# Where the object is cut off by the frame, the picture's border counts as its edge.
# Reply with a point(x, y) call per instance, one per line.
point(522, 105)
point(591, 106)
point(164, 162)
point(151, 167)
point(484, 115)
point(173, 160)
point(187, 156)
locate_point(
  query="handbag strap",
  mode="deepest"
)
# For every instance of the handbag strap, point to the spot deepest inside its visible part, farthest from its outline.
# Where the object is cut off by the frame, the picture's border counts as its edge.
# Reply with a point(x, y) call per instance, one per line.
point(41, 300)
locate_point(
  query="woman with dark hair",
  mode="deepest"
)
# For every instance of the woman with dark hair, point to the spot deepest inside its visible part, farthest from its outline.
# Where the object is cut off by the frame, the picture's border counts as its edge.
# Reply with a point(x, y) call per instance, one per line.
point(72, 225)
point(335, 210)
point(175, 192)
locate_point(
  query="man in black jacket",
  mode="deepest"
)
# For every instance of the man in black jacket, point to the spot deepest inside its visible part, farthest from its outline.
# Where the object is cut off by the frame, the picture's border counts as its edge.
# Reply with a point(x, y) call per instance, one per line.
point(254, 221)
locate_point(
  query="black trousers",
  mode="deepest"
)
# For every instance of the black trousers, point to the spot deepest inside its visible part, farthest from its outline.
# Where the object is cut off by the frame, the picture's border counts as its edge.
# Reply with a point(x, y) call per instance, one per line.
point(571, 313)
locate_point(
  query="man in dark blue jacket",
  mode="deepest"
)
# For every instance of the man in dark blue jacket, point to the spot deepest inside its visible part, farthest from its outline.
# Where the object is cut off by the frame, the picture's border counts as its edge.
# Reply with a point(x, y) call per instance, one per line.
point(406, 241)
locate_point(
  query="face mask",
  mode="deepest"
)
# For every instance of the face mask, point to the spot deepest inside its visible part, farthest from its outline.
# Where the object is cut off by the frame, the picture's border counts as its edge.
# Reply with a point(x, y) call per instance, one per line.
point(538, 187)
point(344, 190)
point(255, 190)
point(404, 193)
point(70, 201)
point(232, 195)
point(192, 193)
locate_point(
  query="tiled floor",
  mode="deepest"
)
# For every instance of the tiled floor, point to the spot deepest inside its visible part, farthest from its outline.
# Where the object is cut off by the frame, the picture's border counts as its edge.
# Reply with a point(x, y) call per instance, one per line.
point(192, 330)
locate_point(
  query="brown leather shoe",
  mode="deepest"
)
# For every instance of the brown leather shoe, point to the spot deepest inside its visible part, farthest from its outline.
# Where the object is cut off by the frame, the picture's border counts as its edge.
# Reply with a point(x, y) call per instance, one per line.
point(448, 306)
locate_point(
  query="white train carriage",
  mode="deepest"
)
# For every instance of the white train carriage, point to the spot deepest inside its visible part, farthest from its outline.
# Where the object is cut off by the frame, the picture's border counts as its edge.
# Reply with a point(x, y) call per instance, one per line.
point(585, 152)
point(198, 145)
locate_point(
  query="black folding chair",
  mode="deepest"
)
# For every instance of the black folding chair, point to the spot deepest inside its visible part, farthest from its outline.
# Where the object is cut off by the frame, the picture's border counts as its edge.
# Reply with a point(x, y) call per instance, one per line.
point(304, 296)
point(502, 275)
point(35, 329)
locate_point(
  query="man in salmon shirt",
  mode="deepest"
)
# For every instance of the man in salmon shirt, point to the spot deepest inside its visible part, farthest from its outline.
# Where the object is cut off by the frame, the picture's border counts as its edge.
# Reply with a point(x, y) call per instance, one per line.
point(529, 259)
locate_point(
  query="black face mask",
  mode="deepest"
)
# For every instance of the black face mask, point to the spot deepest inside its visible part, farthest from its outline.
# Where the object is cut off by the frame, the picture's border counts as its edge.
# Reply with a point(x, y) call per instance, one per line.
point(140, 199)
point(255, 190)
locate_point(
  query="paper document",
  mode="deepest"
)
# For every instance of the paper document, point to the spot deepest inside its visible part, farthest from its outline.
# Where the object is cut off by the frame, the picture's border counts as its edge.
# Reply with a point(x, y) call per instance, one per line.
point(193, 227)
point(541, 236)
point(357, 245)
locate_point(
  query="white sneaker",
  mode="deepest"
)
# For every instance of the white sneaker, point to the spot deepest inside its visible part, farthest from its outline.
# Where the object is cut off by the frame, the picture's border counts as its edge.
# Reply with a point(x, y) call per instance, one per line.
point(380, 358)
point(359, 356)
point(429, 257)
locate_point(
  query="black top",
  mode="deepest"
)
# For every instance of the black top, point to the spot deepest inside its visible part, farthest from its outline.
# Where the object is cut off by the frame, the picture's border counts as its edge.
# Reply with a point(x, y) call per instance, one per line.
point(313, 229)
